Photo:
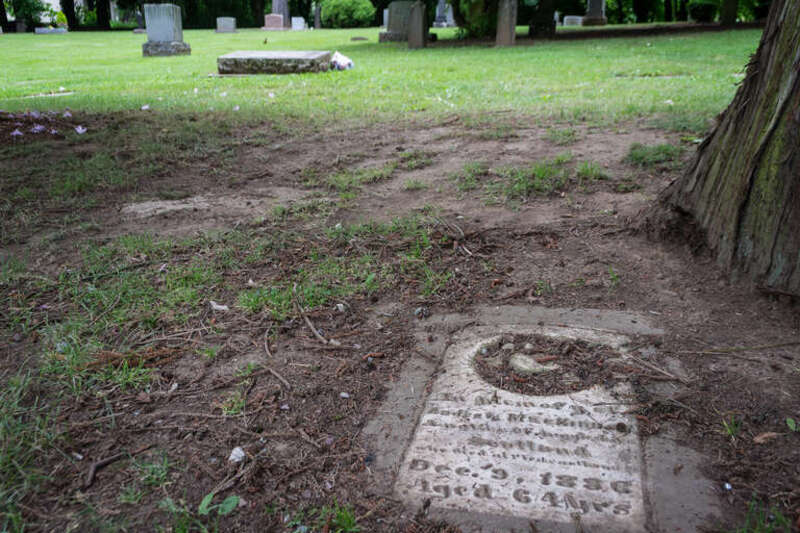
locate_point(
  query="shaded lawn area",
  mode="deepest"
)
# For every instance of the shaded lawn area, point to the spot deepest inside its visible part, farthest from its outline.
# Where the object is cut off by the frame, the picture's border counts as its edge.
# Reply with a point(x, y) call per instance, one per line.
point(687, 77)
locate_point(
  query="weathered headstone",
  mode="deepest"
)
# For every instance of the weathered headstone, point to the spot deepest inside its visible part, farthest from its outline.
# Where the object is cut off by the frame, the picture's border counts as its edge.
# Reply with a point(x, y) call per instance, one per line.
point(164, 31)
point(417, 26)
point(397, 25)
point(572, 20)
point(226, 25)
point(441, 15)
point(506, 23)
point(490, 452)
point(451, 20)
point(281, 7)
point(139, 24)
point(264, 62)
point(298, 23)
point(385, 18)
point(273, 22)
point(595, 13)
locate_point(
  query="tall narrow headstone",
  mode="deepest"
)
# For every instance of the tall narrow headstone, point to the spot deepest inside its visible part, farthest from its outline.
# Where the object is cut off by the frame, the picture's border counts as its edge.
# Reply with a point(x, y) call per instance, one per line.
point(417, 26)
point(595, 13)
point(164, 31)
point(506, 23)
point(386, 18)
point(317, 15)
point(226, 25)
point(281, 7)
point(441, 15)
point(397, 25)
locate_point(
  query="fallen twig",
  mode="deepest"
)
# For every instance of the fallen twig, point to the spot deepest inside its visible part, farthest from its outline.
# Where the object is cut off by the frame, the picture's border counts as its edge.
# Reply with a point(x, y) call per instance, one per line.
point(266, 343)
point(280, 378)
point(97, 465)
point(660, 370)
point(314, 330)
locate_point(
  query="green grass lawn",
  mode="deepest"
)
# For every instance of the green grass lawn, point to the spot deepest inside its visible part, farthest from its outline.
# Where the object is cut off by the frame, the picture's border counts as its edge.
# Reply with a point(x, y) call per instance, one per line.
point(686, 78)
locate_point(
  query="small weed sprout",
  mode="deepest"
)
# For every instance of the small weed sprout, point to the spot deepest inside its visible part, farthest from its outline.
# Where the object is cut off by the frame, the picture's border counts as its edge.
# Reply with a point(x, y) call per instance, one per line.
point(731, 427)
point(562, 137)
point(613, 277)
point(467, 178)
point(791, 423)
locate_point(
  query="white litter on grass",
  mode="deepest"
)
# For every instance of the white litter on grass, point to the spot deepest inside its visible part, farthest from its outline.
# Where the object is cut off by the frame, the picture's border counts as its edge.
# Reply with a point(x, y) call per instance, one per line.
point(16, 133)
point(237, 455)
point(669, 102)
point(341, 62)
point(145, 107)
point(218, 307)
point(37, 128)
point(236, 108)
point(67, 114)
point(80, 130)
point(271, 95)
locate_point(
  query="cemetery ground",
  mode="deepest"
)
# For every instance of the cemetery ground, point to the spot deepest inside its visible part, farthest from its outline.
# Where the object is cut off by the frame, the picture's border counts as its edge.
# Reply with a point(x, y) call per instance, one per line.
point(187, 279)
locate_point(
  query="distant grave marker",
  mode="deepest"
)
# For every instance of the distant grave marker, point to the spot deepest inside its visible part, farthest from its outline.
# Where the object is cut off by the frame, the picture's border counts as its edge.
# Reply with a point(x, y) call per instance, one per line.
point(417, 26)
point(298, 23)
point(273, 22)
point(397, 24)
point(226, 25)
point(572, 20)
point(47, 31)
point(281, 7)
point(164, 31)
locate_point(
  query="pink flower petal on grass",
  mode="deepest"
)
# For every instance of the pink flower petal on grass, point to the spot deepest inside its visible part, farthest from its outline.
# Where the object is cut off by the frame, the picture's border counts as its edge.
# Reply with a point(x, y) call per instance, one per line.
point(67, 114)
point(145, 107)
point(37, 128)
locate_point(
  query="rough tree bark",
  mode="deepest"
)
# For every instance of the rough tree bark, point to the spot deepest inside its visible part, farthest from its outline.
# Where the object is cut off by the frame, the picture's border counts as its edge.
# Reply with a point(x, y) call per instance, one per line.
point(742, 190)
point(104, 14)
point(68, 8)
point(3, 17)
point(728, 10)
point(668, 10)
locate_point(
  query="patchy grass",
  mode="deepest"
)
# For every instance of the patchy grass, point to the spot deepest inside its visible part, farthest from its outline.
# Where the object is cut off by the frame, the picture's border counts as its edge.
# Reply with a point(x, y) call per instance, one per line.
point(590, 171)
point(562, 136)
point(415, 159)
point(761, 519)
point(467, 179)
point(414, 185)
point(350, 181)
point(653, 156)
point(539, 178)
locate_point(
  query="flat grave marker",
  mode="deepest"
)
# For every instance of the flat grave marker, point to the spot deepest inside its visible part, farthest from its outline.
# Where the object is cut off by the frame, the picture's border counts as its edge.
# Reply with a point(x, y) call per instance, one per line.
point(267, 62)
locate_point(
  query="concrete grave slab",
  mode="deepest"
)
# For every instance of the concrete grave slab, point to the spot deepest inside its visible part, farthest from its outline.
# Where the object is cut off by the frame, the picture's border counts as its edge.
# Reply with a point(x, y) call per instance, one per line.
point(484, 450)
point(266, 62)
point(47, 31)
point(491, 460)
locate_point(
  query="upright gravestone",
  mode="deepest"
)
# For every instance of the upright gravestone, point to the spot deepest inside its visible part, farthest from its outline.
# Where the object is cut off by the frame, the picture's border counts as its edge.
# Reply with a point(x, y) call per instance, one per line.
point(386, 18)
point(506, 23)
point(298, 23)
point(281, 7)
point(441, 15)
point(595, 13)
point(139, 24)
point(226, 25)
point(397, 26)
point(273, 21)
point(417, 26)
point(572, 20)
point(164, 31)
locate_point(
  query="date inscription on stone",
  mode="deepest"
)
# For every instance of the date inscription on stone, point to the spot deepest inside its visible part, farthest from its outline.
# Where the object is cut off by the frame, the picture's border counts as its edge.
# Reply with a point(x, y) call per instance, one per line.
point(560, 458)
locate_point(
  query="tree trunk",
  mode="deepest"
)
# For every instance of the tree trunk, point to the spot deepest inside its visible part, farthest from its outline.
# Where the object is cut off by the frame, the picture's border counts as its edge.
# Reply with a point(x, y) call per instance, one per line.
point(543, 24)
point(257, 7)
point(668, 10)
point(3, 17)
point(68, 7)
point(641, 9)
point(743, 187)
point(683, 13)
point(727, 12)
point(104, 14)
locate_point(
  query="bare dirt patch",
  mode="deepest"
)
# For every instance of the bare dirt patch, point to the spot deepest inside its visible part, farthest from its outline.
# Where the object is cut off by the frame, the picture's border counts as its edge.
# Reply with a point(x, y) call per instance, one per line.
point(298, 412)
